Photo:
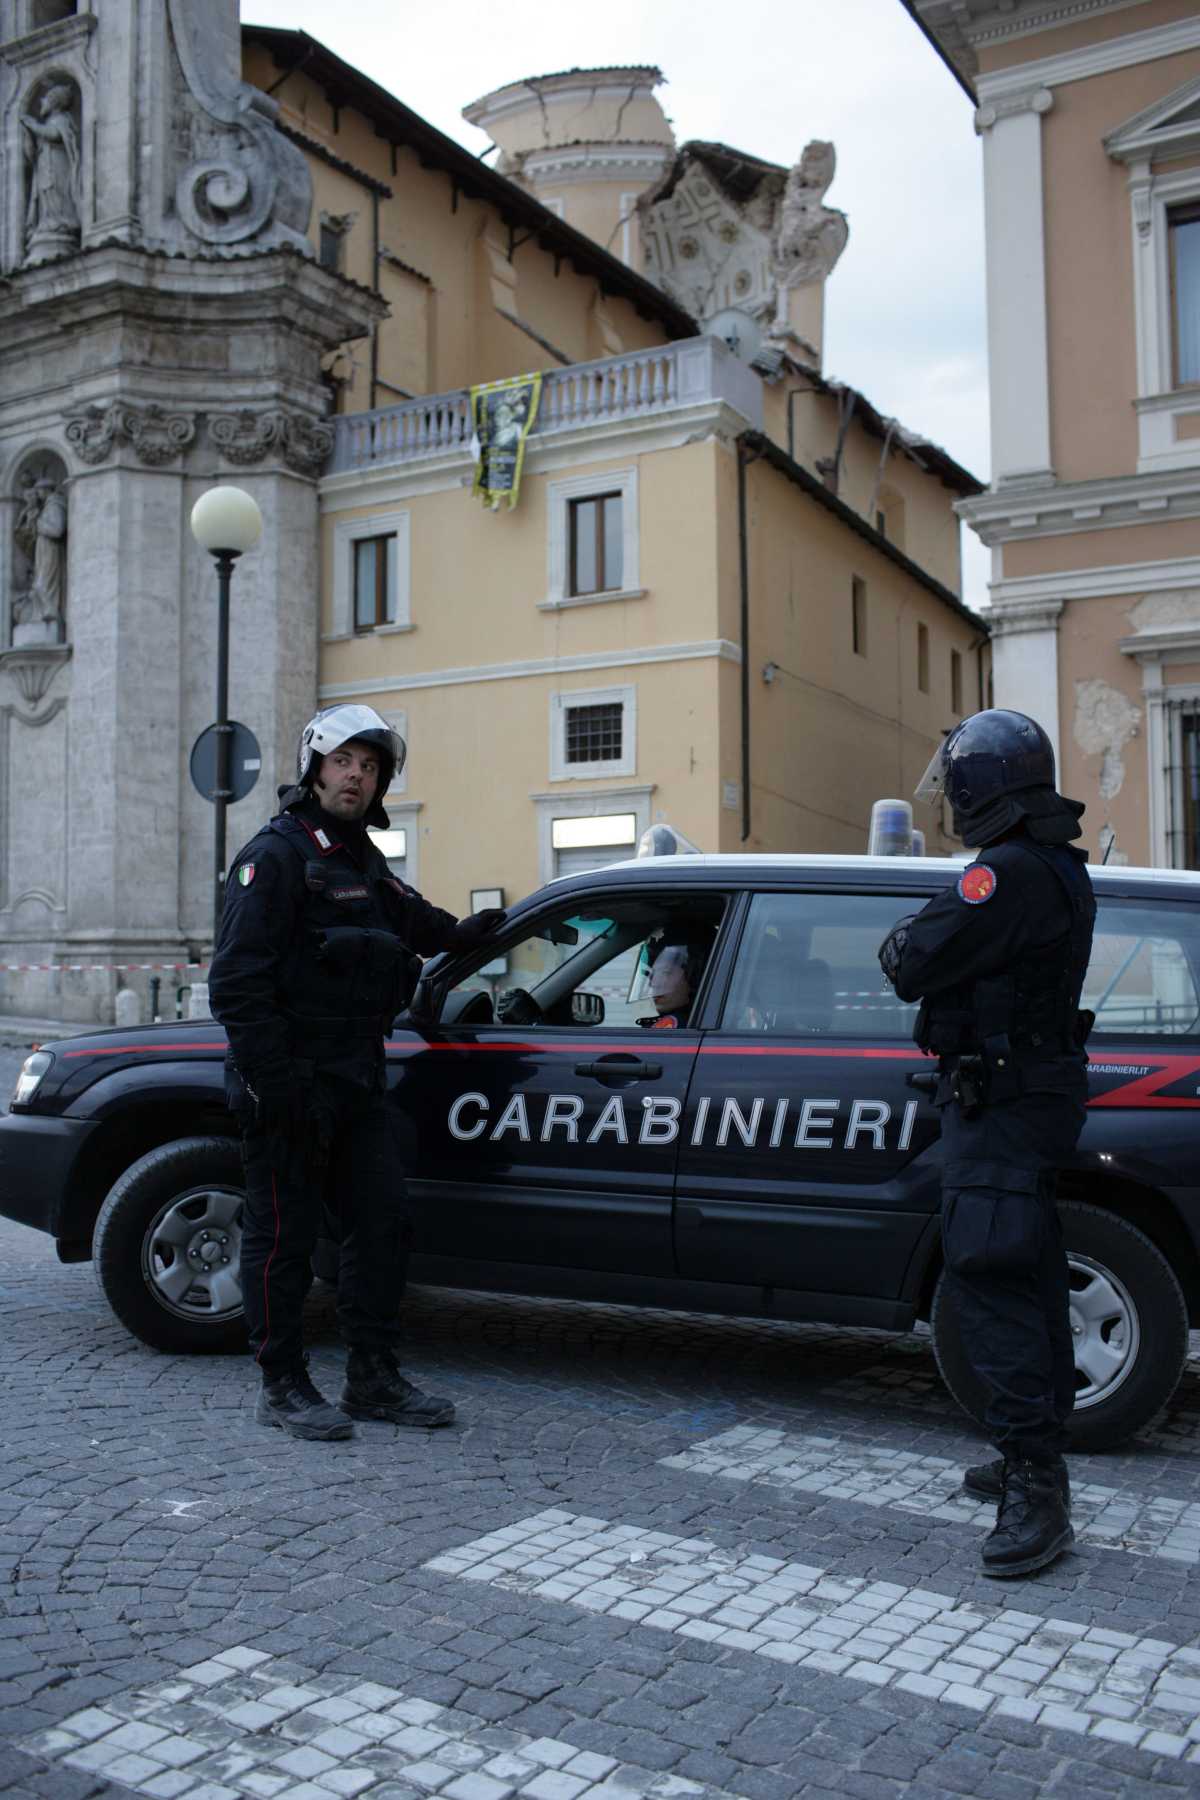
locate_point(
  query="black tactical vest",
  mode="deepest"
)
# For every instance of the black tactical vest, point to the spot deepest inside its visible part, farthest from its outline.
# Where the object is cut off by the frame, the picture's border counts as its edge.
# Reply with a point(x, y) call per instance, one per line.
point(347, 972)
point(1031, 1011)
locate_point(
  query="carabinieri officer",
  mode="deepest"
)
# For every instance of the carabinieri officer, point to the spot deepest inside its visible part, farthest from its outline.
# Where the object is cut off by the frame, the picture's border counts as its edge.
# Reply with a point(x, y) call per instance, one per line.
point(314, 959)
point(998, 962)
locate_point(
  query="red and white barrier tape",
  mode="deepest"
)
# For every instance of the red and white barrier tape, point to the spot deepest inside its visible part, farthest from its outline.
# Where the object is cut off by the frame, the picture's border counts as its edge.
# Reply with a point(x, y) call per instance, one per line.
point(94, 968)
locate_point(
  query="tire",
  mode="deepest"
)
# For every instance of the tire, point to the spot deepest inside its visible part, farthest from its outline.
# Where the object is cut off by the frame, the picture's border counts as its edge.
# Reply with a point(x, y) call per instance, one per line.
point(1130, 1324)
point(154, 1233)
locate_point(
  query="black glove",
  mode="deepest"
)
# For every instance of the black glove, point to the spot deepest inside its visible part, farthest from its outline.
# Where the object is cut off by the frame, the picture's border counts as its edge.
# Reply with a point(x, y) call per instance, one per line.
point(893, 947)
point(471, 931)
point(516, 1007)
point(281, 1096)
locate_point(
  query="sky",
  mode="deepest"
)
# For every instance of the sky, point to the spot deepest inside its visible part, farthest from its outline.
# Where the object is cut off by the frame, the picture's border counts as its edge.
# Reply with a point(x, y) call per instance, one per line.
point(904, 309)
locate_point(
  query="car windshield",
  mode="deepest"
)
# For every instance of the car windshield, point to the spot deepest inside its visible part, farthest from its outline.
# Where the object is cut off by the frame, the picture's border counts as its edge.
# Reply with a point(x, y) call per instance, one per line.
point(1145, 969)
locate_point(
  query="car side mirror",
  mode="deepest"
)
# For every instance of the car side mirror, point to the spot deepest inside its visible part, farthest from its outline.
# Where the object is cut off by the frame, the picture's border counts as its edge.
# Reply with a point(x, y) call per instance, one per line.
point(587, 1009)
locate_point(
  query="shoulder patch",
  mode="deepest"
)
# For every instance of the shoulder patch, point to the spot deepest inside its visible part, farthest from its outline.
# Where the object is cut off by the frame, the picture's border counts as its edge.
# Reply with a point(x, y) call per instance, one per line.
point(977, 884)
point(246, 874)
point(665, 1022)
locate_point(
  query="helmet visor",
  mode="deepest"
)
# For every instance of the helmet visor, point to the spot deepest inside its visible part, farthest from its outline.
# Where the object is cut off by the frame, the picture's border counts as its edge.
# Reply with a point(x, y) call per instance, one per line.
point(932, 784)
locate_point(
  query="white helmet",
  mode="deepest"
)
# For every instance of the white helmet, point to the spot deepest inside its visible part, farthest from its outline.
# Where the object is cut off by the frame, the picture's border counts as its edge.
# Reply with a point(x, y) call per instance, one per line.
point(337, 725)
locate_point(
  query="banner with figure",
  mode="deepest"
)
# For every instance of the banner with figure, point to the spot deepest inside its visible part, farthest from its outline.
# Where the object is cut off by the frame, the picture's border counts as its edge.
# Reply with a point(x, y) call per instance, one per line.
point(502, 413)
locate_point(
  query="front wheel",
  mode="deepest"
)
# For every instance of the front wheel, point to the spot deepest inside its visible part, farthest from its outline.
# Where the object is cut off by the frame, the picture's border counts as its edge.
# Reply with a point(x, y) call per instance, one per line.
point(1129, 1327)
point(168, 1245)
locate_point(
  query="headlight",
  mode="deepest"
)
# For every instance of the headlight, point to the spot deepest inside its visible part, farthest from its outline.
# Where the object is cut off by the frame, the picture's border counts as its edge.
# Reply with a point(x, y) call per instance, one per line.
point(33, 1072)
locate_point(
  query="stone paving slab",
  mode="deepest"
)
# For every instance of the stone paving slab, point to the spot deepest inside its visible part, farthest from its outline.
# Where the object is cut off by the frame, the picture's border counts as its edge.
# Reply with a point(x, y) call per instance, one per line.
point(243, 1722)
point(931, 1486)
point(1053, 1671)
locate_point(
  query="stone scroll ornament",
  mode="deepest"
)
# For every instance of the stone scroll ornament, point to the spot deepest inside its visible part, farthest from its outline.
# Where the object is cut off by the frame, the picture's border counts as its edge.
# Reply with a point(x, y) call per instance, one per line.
point(243, 185)
point(248, 437)
point(51, 142)
point(157, 436)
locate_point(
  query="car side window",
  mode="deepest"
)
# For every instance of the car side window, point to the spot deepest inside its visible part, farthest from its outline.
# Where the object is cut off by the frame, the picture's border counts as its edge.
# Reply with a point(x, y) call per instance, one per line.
point(1144, 970)
point(593, 966)
point(808, 966)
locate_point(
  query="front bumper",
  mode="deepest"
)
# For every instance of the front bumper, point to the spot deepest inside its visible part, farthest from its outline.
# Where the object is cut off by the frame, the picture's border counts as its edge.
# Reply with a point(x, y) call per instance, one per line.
point(38, 1160)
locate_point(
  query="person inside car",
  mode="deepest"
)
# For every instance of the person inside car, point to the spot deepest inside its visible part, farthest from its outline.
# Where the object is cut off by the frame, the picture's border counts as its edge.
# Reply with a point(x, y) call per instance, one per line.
point(675, 970)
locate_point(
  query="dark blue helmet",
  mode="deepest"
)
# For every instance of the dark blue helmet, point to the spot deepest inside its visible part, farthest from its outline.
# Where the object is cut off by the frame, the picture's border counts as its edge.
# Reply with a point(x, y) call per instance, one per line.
point(996, 769)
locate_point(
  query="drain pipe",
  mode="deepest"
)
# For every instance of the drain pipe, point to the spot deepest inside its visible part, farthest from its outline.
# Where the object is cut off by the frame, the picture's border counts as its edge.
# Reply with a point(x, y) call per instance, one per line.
point(746, 454)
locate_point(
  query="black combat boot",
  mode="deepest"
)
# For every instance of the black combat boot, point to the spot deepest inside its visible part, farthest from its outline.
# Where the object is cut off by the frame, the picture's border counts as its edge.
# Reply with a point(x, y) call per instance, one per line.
point(295, 1405)
point(1033, 1524)
point(986, 1480)
point(375, 1389)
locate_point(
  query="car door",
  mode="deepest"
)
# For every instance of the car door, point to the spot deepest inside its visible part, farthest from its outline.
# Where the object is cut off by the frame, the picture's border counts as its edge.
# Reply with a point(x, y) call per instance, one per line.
point(805, 1157)
point(549, 1135)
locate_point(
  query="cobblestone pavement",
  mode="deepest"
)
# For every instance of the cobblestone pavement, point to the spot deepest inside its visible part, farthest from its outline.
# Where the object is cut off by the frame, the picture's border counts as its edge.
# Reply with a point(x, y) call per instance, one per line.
point(656, 1556)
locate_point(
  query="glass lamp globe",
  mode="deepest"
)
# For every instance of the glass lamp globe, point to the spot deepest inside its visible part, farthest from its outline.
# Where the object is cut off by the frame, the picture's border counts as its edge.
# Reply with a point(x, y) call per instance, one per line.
point(226, 518)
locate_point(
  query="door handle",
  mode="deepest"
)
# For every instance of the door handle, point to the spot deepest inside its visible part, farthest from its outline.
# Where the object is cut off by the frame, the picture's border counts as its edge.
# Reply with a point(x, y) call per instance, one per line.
point(620, 1068)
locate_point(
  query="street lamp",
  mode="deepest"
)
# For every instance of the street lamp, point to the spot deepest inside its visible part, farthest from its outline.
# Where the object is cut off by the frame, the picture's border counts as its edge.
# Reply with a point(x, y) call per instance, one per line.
point(226, 522)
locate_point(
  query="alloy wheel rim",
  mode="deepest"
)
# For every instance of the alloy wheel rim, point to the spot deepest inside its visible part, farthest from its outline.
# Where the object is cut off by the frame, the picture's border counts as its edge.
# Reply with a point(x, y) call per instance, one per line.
point(191, 1255)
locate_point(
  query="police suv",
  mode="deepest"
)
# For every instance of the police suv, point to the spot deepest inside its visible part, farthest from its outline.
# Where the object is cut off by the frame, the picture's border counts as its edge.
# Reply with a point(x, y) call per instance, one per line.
point(758, 1149)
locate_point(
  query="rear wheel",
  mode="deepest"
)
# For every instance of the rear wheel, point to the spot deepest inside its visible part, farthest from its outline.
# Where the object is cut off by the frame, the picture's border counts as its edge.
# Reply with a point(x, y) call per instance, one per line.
point(1128, 1323)
point(167, 1247)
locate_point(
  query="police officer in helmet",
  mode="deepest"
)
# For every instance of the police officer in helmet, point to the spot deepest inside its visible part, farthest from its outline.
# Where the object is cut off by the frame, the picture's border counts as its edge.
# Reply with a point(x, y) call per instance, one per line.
point(317, 952)
point(998, 962)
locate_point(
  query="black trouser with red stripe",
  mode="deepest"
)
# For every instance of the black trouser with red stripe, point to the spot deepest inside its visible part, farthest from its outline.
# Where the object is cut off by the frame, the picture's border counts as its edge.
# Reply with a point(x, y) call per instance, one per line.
point(349, 1166)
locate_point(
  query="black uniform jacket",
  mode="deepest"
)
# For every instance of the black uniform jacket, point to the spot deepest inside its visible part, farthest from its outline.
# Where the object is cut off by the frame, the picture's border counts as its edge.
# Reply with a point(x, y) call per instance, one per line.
point(316, 949)
point(985, 923)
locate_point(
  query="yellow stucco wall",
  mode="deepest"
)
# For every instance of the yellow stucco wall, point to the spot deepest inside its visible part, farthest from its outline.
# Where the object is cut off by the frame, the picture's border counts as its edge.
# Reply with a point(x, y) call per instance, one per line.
point(835, 730)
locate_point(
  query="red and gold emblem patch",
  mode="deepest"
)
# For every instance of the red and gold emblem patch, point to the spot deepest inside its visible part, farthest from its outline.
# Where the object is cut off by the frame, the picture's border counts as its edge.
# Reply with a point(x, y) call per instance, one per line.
point(976, 884)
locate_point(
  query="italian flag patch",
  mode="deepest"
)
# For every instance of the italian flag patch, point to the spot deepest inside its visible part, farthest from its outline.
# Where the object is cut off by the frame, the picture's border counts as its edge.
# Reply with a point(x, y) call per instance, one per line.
point(246, 874)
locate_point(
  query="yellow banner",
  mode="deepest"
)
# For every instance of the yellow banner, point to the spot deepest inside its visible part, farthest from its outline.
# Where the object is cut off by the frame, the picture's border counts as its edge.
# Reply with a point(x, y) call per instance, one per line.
point(502, 413)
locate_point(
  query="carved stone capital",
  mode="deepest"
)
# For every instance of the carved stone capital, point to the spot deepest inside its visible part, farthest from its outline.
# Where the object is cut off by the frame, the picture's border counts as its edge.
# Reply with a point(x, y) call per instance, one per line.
point(1011, 618)
point(92, 433)
point(157, 436)
point(246, 437)
point(1007, 106)
point(33, 667)
point(307, 444)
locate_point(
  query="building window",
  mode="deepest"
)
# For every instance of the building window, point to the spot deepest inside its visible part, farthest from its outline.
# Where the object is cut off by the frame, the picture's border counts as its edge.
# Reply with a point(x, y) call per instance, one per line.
point(881, 523)
point(394, 845)
point(1182, 776)
point(593, 539)
point(375, 581)
point(592, 734)
point(858, 615)
point(331, 242)
point(592, 843)
point(923, 658)
point(596, 544)
point(956, 681)
point(1183, 225)
point(371, 586)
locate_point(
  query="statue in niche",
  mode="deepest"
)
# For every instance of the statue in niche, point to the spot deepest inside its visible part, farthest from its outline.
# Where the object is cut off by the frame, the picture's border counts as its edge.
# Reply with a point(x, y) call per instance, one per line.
point(41, 535)
point(51, 139)
point(811, 235)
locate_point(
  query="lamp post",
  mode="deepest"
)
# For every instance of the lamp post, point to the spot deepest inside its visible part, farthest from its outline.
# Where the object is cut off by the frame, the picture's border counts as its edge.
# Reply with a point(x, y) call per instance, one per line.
point(226, 522)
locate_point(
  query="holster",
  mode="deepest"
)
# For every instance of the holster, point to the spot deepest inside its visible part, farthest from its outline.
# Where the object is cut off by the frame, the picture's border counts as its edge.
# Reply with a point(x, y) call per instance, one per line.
point(969, 1085)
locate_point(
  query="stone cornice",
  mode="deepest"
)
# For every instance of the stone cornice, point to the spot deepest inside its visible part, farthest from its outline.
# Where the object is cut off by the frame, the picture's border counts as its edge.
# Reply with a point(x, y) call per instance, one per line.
point(596, 162)
point(1170, 643)
point(1151, 45)
point(49, 41)
point(77, 291)
point(1059, 508)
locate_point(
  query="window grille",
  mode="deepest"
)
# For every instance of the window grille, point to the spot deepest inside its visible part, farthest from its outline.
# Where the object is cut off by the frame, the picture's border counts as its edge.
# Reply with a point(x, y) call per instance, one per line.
point(594, 733)
point(1181, 779)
